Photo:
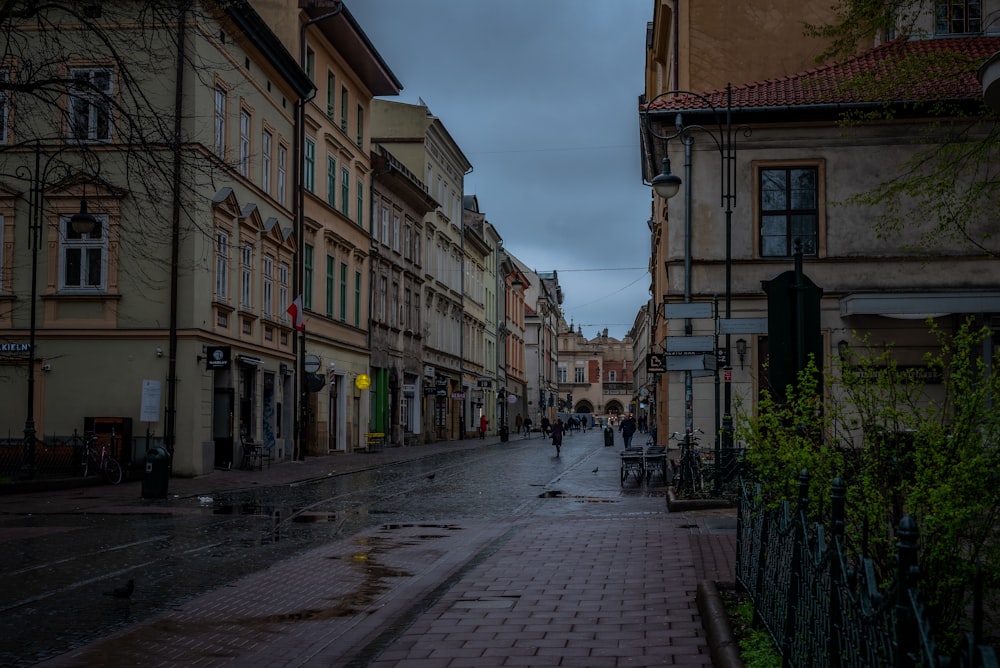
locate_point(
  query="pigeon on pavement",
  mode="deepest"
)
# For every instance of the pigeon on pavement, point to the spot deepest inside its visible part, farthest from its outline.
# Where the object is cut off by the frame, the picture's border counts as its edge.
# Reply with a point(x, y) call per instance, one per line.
point(125, 591)
point(595, 469)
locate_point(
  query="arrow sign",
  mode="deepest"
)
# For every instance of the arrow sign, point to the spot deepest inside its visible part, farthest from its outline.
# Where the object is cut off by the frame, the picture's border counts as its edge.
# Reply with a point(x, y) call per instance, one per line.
point(743, 326)
point(696, 362)
point(690, 344)
point(688, 310)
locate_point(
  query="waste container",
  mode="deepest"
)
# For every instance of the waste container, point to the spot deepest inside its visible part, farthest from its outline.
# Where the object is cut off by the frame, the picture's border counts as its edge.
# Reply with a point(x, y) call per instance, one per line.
point(504, 433)
point(156, 474)
point(609, 437)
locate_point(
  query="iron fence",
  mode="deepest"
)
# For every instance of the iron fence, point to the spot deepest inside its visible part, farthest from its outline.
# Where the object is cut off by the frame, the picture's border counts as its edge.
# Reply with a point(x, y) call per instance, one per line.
point(54, 457)
point(823, 607)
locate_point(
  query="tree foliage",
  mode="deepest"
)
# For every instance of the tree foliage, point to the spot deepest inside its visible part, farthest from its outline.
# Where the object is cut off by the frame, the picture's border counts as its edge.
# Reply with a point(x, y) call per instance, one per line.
point(903, 447)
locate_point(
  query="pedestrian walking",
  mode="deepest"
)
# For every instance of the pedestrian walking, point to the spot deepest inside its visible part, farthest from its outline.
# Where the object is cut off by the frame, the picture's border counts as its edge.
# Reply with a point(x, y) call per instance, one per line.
point(557, 434)
point(627, 428)
point(483, 423)
point(527, 427)
point(518, 423)
point(546, 425)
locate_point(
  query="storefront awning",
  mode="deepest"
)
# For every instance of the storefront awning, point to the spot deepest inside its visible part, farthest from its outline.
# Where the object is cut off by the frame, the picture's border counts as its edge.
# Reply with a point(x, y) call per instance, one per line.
point(919, 305)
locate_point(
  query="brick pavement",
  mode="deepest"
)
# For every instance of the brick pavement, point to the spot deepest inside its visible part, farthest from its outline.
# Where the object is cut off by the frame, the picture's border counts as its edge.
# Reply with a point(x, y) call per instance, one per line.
point(616, 589)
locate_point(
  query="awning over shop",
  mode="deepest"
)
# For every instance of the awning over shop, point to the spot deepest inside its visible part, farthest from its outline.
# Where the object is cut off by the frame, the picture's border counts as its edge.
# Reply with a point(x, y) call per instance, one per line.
point(919, 305)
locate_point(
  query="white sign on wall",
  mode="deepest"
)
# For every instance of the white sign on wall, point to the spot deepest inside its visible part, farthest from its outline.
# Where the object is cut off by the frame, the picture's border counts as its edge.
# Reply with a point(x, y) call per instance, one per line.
point(150, 411)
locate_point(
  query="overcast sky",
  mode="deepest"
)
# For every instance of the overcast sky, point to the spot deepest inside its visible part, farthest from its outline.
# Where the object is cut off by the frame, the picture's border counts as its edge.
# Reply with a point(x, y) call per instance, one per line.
point(541, 96)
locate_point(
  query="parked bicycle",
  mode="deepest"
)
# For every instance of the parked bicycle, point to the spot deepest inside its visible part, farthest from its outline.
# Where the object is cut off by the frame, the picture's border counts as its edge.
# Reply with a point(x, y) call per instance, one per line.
point(689, 474)
point(100, 460)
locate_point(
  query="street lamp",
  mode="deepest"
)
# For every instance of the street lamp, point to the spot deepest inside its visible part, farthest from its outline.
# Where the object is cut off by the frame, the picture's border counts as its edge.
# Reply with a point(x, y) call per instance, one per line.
point(83, 222)
point(666, 186)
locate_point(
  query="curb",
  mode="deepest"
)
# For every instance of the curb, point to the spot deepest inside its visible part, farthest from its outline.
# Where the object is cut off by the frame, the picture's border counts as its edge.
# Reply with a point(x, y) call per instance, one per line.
point(676, 505)
point(722, 644)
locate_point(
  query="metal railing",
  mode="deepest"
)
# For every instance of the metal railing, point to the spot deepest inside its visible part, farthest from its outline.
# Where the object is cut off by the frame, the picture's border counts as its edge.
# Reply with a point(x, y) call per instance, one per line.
point(54, 457)
point(822, 606)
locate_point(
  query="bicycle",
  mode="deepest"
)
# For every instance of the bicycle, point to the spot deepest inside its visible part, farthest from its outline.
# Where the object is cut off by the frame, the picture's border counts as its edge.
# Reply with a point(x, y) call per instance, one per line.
point(101, 459)
point(689, 475)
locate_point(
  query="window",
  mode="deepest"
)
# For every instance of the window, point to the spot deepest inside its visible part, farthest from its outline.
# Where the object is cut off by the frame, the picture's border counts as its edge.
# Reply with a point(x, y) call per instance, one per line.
point(357, 299)
point(789, 199)
point(246, 277)
point(394, 303)
point(343, 108)
point(330, 264)
point(220, 122)
point(309, 168)
point(310, 64)
point(283, 300)
point(83, 257)
point(90, 104)
point(265, 160)
point(395, 232)
point(307, 277)
point(359, 213)
point(408, 309)
point(331, 181)
point(331, 82)
point(959, 17)
point(282, 171)
point(578, 375)
point(408, 242)
point(222, 266)
point(345, 191)
point(244, 143)
point(361, 125)
point(612, 376)
point(385, 226)
point(268, 297)
point(383, 291)
point(561, 373)
point(343, 292)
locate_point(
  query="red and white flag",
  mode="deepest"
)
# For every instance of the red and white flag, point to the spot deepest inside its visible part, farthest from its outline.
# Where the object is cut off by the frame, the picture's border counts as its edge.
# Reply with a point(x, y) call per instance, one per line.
point(295, 311)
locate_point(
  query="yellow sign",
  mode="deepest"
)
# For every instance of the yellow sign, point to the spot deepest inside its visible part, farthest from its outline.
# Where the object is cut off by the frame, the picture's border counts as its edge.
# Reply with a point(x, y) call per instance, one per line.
point(362, 382)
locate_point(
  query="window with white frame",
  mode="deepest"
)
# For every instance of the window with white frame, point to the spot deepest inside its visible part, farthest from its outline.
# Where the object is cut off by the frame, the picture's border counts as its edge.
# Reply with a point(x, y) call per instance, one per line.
point(246, 277)
point(957, 17)
point(90, 94)
point(396, 232)
point(265, 160)
point(578, 375)
point(83, 258)
point(561, 373)
point(267, 298)
point(612, 376)
point(331, 181)
point(282, 172)
point(222, 266)
point(220, 122)
point(382, 291)
point(394, 301)
point(384, 237)
point(244, 164)
point(407, 242)
point(283, 301)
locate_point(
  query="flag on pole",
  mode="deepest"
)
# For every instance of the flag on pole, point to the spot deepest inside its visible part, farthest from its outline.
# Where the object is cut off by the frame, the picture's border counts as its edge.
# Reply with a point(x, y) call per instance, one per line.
point(295, 311)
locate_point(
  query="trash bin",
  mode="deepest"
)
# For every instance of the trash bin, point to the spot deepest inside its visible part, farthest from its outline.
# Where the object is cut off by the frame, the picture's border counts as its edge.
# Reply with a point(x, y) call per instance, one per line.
point(609, 437)
point(504, 433)
point(157, 473)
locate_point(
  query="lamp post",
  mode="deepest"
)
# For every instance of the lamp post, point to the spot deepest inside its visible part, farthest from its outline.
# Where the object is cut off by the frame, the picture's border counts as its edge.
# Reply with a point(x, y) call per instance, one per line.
point(666, 185)
point(81, 223)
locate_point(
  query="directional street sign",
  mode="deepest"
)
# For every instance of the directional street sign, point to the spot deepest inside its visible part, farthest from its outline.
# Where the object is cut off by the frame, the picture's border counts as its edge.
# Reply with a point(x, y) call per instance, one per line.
point(687, 310)
point(743, 326)
point(690, 344)
point(694, 362)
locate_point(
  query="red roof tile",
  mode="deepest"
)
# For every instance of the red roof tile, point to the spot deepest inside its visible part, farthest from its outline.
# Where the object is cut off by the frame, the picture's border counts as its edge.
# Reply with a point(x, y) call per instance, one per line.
point(947, 71)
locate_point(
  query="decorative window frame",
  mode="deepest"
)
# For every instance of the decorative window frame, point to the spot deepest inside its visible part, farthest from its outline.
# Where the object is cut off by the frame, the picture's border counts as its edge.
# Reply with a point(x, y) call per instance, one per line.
point(819, 164)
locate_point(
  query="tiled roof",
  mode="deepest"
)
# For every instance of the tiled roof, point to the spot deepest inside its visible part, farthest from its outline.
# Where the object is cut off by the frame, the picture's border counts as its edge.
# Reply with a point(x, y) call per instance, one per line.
point(947, 71)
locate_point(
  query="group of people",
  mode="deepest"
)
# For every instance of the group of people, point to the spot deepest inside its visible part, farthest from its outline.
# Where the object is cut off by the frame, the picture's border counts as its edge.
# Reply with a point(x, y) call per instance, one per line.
point(628, 427)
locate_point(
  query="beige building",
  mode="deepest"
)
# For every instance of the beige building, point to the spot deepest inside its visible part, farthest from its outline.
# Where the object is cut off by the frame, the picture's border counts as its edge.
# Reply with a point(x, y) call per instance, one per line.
point(343, 396)
point(794, 173)
point(172, 305)
point(595, 375)
point(421, 142)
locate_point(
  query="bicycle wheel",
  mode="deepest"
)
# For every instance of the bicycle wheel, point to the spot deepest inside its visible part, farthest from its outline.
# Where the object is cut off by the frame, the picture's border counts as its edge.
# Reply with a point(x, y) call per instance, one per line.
point(112, 471)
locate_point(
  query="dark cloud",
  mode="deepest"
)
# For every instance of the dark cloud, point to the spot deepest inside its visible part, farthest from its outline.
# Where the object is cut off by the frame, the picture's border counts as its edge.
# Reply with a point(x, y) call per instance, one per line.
point(541, 96)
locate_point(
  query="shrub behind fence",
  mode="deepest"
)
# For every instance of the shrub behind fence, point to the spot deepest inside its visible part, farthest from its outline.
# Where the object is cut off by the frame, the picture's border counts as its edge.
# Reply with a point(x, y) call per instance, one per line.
point(824, 608)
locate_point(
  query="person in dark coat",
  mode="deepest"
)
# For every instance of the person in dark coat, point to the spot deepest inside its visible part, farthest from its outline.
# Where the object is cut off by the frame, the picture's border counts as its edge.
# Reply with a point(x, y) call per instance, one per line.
point(627, 428)
point(557, 434)
point(545, 425)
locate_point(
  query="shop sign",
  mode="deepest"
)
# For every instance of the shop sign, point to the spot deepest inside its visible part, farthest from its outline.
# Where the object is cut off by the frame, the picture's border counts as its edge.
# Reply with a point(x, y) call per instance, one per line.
point(14, 347)
point(458, 395)
point(409, 389)
point(217, 357)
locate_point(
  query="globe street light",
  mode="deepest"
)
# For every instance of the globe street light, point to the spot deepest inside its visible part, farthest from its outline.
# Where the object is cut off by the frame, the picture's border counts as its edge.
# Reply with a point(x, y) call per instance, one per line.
point(666, 185)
